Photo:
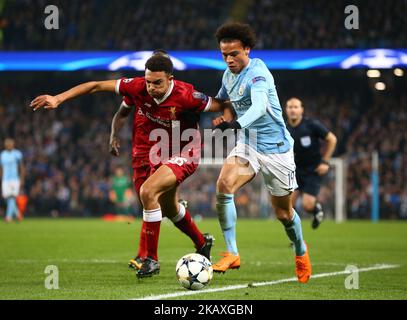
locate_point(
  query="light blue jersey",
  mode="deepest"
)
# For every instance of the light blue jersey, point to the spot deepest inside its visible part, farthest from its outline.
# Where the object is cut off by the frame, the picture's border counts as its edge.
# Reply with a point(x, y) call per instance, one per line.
point(254, 97)
point(9, 161)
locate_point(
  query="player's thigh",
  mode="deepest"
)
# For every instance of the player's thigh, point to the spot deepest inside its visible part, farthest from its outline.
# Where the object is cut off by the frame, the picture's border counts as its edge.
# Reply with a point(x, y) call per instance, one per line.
point(169, 203)
point(141, 172)
point(235, 173)
point(161, 181)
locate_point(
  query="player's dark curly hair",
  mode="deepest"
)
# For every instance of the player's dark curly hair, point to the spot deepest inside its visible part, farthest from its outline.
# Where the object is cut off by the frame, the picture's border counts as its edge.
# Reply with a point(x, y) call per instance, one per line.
point(160, 62)
point(236, 31)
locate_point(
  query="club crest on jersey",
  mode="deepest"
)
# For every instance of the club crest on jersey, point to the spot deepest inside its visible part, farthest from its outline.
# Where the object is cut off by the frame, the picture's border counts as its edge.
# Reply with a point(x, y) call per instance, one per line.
point(305, 141)
point(173, 111)
point(241, 90)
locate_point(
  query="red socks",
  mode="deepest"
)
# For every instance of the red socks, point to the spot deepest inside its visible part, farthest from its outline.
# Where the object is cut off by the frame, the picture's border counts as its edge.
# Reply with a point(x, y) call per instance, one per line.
point(142, 245)
point(184, 222)
point(151, 230)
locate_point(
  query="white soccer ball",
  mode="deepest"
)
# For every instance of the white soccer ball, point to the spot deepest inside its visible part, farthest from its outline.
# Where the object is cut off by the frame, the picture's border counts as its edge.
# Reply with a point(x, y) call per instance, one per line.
point(194, 271)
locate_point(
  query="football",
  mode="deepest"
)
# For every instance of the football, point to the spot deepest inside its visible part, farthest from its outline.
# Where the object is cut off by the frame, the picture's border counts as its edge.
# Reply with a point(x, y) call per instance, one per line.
point(194, 271)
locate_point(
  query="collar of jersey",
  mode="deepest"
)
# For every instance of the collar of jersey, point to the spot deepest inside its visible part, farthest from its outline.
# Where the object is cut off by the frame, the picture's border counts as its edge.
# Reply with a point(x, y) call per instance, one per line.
point(167, 94)
point(244, 70)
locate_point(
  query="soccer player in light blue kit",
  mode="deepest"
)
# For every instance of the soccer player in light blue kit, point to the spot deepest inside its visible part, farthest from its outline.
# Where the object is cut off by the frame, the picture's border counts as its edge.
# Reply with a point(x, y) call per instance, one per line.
point(264, 145)
point(12, 173)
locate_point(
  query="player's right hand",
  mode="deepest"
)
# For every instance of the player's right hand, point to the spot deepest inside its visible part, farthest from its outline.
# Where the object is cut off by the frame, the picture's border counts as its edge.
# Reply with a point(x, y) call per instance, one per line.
point(44, 101)
point(217, 121)
point(114, 146)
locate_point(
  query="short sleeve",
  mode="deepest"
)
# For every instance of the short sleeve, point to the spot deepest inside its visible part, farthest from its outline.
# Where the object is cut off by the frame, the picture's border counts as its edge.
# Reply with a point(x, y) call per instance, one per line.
point(123, 86)
point(319, 129)
point(127, 102)
point(198, 101)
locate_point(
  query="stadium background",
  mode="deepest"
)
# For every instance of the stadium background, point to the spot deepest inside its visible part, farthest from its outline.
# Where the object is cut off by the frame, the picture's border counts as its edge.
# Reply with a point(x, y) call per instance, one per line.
point(69, 168)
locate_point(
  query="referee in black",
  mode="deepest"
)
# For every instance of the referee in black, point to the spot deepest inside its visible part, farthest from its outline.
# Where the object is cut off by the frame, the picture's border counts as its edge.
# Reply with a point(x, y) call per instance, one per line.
point(311, 164)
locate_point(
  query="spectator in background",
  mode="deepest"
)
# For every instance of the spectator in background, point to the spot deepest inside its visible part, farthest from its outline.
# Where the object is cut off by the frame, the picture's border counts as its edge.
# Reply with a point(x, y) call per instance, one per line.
point(12, 173)
point(119, 188)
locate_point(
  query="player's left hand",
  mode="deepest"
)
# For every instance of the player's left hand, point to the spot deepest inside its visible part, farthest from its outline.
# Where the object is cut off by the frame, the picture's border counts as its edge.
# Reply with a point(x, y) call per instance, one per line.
point(322, 169)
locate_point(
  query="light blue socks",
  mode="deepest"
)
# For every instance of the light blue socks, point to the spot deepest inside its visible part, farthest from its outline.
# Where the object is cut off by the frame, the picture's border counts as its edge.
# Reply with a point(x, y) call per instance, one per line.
point(294, 232)
point(227, 218)
point(11, 208)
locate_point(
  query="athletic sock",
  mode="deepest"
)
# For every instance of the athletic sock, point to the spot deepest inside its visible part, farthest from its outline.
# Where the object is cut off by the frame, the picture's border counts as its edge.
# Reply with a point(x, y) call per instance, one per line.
point(142, 246)
point(11, 208)
point(184, 222)
point(152, 219)
point(227, 216)
point(294, 232)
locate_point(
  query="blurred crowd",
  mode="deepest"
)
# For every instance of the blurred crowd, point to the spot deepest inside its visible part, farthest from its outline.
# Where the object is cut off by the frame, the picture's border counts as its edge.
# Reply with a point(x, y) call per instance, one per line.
point(382, 128)
point(66, 154)
point(70, 171)
point(138, 25)
point(318, 24)
point(190, 24)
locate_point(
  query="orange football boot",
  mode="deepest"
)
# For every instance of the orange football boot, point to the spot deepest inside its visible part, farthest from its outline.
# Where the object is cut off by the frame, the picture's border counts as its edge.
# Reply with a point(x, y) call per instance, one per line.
point(303, 267)
point(229, 261)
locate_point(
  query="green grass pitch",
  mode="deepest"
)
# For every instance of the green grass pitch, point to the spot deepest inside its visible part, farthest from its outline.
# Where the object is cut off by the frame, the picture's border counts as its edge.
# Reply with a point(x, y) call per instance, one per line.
point(92, 255)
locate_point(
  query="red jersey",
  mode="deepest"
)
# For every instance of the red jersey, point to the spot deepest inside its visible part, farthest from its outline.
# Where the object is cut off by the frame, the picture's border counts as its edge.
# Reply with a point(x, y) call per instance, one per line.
point(171, 113)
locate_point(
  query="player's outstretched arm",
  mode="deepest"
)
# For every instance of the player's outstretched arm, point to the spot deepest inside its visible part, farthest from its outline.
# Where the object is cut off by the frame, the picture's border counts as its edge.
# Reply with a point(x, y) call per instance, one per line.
point(228, 114)
point(117, 124)
point(256, 111)
point(52, 102)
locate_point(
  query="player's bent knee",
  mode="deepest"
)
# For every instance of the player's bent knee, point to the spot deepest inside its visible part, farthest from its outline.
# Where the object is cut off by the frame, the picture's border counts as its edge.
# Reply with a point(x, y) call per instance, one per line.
point(225, 185)
point(309, 205)
point(283, 215)
point(148, 195)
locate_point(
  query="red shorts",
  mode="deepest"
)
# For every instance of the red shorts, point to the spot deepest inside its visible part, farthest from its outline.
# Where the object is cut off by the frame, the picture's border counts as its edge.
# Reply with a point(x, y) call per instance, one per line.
point(143, 169)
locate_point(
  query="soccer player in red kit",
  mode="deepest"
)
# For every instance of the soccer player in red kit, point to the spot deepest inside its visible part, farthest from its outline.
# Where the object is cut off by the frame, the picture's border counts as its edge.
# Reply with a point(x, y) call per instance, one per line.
point(164, 108)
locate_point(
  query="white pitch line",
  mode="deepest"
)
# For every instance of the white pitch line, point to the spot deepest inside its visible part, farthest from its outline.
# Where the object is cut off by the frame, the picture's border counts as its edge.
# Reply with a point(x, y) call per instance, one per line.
point(261, 284)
